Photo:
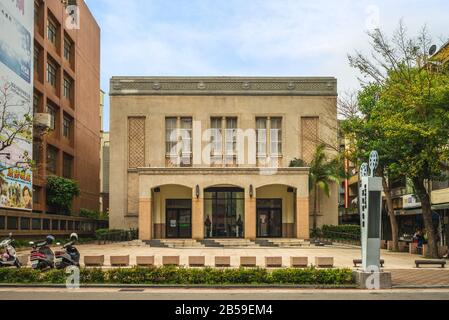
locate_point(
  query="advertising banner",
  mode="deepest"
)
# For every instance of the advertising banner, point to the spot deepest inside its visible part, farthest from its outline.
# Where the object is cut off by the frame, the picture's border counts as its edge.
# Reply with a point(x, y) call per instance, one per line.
point(16, 103)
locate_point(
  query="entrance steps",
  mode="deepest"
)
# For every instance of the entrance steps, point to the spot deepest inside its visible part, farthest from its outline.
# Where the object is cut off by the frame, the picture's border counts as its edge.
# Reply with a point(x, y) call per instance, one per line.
point(175, 243)
point(226, 243)
point(283, 243)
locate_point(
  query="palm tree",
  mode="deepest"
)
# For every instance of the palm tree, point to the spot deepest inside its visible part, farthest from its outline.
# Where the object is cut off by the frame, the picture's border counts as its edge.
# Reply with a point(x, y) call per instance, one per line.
point(322, 173)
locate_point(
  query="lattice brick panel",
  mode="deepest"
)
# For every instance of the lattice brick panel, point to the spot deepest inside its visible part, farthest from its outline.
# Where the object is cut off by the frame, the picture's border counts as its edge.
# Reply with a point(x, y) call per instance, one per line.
point(136, 142)
point(309, 137)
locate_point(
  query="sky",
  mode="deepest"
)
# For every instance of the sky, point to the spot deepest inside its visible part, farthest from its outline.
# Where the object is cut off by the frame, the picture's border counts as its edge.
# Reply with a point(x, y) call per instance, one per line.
point(250, 37)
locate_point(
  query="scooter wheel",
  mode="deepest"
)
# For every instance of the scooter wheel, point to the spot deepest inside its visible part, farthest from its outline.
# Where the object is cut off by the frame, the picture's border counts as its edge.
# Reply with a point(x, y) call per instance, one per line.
point(18, 264)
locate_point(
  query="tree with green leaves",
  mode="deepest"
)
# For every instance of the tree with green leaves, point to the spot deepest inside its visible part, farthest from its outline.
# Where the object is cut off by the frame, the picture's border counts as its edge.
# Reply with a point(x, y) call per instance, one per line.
point(323, 172)
point(60, 193)
point(412, 106)
point(365, 132)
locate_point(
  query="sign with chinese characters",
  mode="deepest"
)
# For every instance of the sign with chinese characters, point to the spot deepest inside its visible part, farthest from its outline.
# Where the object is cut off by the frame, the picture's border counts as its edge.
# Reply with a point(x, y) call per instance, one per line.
point(16, 103)
point(370, 213)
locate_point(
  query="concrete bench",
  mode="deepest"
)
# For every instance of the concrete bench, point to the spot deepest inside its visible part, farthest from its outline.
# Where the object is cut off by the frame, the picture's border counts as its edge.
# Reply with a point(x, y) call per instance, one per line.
point(273, 262)
point(23, 259)
point(145, 261)
point(442, 263)
point(359, 261)
point(197, 261)
point(247, 261)
point(324, 262)
point(97, 261)
point(170, 260)
point(222, 261)
point(299, 262)
point(119, 261)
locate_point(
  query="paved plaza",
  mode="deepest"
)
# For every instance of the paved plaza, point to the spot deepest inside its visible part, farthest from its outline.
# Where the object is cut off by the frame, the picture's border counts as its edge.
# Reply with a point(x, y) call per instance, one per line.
point(402, 266)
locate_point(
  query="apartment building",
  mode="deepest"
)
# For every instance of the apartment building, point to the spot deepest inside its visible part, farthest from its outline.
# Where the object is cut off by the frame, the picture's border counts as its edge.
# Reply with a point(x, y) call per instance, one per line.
point(66, 87)
point(209, 157)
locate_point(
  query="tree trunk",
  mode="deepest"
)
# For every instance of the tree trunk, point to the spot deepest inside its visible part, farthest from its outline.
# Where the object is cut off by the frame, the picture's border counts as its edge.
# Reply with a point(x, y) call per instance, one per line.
point(315, 208)
point(393, 221)
point(427, 217)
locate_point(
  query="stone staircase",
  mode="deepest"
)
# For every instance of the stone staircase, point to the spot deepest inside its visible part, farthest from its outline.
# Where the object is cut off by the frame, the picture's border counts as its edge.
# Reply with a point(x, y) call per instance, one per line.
point(229, 243)
point(175, 243)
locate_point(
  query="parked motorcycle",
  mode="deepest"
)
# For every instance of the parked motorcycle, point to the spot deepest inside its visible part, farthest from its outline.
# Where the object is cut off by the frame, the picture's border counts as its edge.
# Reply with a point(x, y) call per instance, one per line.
point(9, 257)
point(70, 256)
point(42, 257)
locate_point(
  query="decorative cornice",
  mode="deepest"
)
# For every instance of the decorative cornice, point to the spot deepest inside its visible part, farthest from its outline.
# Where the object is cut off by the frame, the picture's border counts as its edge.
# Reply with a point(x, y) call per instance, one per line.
point(218, 171)
point(270, 86)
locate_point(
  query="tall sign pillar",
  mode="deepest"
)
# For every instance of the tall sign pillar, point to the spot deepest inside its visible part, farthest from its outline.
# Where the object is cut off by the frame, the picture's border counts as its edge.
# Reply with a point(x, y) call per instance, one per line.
point(370, 195)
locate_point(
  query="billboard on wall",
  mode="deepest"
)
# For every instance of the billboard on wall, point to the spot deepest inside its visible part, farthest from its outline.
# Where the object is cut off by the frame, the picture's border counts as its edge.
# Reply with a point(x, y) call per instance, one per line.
point(16, 103)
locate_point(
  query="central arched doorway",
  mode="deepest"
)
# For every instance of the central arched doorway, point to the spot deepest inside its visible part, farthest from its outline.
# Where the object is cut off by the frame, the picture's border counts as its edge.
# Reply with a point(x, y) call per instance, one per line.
point(224, 212)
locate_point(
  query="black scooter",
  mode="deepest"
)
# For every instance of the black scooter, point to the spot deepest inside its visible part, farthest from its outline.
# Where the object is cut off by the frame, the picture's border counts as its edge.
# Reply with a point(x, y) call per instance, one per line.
point(70, 256)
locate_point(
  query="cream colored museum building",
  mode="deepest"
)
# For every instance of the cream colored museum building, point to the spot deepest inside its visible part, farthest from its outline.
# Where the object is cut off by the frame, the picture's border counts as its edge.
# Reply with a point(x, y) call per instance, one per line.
point(209, 157)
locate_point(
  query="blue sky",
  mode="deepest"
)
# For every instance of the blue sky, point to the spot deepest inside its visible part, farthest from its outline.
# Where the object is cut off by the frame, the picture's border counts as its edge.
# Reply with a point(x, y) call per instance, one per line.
point(249, 37)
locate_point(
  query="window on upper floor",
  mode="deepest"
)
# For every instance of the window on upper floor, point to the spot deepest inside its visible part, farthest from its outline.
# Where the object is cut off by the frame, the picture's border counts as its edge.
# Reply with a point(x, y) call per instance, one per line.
point(51, 31)
point(269, 130)
point(178, 140)
point(51, 73)
point(67, 127)
point(51, 110)
point(67, 166)
point(52, 156)
point(223, 140)
point(67, 88)
point(67, 49)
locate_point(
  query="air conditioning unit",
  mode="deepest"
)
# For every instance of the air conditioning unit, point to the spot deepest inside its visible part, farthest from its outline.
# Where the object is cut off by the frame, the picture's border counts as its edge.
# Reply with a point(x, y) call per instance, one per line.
point(42, 120)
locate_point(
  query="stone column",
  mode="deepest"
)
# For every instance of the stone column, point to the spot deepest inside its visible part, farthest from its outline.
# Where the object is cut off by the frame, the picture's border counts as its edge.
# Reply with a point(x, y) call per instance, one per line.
point(250, 215)
point(302, 218)
point(145, 219)
point(197, 218)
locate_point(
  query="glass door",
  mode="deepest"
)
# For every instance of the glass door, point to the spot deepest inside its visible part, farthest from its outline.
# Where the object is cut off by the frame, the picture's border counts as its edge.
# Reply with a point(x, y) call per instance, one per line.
point(179, 219)
point(269, 218)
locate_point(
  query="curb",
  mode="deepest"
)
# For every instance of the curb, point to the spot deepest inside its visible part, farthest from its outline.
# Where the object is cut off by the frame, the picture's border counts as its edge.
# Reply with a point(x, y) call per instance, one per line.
point(168, 286)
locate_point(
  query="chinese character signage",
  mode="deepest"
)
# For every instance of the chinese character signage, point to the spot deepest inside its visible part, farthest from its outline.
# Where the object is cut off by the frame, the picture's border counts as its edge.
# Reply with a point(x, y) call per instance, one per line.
point(16, 103)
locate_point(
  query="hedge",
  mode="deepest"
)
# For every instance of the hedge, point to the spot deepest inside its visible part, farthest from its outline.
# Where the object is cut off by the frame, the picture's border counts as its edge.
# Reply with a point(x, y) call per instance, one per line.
point(116, 235)
point(184, 276)
point(343, 232)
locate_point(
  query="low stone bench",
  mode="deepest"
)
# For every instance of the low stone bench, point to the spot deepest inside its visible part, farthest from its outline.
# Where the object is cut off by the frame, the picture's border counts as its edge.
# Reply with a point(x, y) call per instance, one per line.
point(145, 261)
point(90, 261)
point(170, 260)
point(23, 259)
point(273, 262)
point(119, 261)
point(247, 261)
point(324, 262)
point(223, 261)
point(359, 261)
point(442, 263)
point(197, 261)
point(299, 262)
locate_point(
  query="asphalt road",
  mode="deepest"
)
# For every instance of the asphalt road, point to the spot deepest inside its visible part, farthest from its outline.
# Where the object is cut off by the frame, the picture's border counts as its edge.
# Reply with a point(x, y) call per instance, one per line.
point(223, 294)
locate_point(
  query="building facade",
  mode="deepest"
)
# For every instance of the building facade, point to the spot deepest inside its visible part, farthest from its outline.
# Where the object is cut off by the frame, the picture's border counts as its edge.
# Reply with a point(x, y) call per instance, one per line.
point(210, 157)
point(66, 87)
point(65, 100)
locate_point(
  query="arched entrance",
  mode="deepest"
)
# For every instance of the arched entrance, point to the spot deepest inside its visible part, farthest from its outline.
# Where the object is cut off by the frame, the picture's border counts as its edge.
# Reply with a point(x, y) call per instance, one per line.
point(224, 212)
point(172, 212)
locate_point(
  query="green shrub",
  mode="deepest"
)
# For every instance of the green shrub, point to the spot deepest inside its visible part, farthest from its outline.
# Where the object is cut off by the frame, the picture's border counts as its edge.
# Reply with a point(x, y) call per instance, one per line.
point(116, 235)
point(184, 276)
point(91, 214)
point(60, 192)
point(342, 232)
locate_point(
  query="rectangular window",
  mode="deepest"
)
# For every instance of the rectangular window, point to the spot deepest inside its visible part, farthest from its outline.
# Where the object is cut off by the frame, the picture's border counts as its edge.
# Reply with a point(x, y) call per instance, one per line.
point(52, 112)
point(171, 137)
point(12, 223)
point(231, 136)
point(67, 127)
point(25, 223)
point(55, 224)
point(51, 31)
point(186, 146)
point(52, 155)
point(2, 222)
point(51, 74)
point(216, 137)
point(36, 12)
point(276, 137)
point(67, 166)
point(36, 57)
point(46, 224)
point(67, 49)
point(67, 88)
point(36, 101)
point(261, 127)
point(36, 224)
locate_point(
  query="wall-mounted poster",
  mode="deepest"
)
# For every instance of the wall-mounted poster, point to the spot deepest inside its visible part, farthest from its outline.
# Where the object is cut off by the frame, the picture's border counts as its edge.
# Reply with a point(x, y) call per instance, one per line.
point(16, 103)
